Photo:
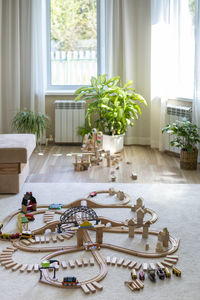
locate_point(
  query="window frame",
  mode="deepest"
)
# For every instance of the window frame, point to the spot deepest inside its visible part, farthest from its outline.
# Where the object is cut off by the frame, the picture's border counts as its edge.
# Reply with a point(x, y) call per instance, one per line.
point(100, 47)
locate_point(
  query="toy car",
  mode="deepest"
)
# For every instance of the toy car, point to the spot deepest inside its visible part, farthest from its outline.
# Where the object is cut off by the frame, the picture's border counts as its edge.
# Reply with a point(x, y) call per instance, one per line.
point(141, 275)
point(167, 272)
point(133, 274)
point(160, 273)
point(93, 194)
point(152, 275)
point(30, 217)
point(55, 206)
point(70, 280)
point(176, 271)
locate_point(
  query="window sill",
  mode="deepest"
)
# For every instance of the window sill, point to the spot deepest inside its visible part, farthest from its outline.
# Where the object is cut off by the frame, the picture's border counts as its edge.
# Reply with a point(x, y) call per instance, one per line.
point(59, 92)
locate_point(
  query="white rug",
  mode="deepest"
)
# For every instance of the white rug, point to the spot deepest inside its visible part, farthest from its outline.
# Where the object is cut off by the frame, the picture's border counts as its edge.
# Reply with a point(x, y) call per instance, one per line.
point(178, 209)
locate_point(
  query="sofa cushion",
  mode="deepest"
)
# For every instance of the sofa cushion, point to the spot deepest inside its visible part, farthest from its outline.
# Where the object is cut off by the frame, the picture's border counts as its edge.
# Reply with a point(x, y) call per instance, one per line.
point(16, 147)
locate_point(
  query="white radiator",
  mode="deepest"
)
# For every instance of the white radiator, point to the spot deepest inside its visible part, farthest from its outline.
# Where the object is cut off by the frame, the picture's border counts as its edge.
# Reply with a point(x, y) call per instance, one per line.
point(174, 113)
point(69, 115)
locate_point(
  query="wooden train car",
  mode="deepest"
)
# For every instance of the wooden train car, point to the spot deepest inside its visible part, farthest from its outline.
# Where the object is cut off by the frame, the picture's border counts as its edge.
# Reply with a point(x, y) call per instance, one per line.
point(176, 272)
point(70, 281)
point(91, 246)
point(9, 236)
point(27, 235)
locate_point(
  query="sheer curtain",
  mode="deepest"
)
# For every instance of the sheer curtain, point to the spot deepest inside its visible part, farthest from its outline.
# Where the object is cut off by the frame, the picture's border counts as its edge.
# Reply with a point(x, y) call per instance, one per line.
point(172, 44)
point(127, 40)
point(22, 58)
point(196, 101)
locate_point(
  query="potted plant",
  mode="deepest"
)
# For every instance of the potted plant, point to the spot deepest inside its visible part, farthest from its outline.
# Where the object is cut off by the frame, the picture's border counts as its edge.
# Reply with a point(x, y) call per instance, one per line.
point(112, 108)
point(186, 138)
point(26, 121)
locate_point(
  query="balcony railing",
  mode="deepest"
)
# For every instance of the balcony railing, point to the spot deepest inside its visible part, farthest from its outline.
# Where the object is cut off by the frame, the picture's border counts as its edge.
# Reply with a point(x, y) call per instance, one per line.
point(73, 67)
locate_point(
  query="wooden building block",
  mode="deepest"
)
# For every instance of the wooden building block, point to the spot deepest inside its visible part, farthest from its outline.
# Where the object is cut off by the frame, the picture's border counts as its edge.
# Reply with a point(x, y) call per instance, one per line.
point(10, 265)
point(91, 287)
point(78, 262)
point(132, 264)
point(85, 289)
point(144, 266)
point(8, 251)
point(30, 268)
point(138, 266)
point(23, 268)
point(71, 264)
point(167, 264)
point(108, 260)
point(37, 239)
point(60, 238)
point(12, 248)
point(97, 285)
point(172, 261)
point(136, 285)
point(25, 242)
point(66, 236)
point(120, 261)
point(141, 285)
point(114, 260)
point(129, 285)
point(16, 267)
point(42, 239)
point(3, 263)
point(64, 264)
point(126, 263)
point(152, 266)
point(3, 258)
point(47, 239)
point(32, 241)
point(36, 267)
point(91, 261)
point(172, 256)
point(54, 238)
point(160, 265)
point(85, 261)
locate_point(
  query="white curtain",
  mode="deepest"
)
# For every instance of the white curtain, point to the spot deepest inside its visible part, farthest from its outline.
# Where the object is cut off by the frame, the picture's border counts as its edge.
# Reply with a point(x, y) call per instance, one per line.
point(22, 57)
point(196, 101)
point(171, 60)
point(127, 54)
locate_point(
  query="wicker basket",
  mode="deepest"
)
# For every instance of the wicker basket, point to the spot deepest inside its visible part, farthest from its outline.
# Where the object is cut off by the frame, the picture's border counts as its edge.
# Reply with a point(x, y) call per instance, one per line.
point(188, 161)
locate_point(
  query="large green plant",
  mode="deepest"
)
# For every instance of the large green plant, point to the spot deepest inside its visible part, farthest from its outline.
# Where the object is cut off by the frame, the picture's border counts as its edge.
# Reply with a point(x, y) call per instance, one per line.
point(26, 121)
point(113, 107)
point(186, 135)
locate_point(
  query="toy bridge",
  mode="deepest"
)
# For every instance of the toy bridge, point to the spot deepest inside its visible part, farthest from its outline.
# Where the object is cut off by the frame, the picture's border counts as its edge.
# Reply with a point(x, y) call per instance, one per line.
point(77, 215)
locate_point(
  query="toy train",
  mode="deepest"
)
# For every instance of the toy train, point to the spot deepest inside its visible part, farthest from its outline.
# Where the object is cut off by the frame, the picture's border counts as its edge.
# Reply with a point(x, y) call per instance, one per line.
point(70, 281)
point(12, 236)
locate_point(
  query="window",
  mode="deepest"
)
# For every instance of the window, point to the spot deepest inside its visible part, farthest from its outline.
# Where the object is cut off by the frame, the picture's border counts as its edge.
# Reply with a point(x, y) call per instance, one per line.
point(74, 49)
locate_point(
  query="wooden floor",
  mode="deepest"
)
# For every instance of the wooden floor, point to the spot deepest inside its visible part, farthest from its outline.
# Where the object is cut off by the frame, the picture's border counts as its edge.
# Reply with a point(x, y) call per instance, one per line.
point(51, 164)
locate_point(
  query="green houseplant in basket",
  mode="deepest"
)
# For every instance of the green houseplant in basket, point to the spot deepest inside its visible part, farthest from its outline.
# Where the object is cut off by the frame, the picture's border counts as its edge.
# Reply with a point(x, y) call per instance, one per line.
point(186, 137)
point(111, 106)
point(26, 121)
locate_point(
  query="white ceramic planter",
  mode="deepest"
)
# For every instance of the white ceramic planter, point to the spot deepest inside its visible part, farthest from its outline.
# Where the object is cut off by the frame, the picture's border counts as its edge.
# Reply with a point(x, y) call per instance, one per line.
point(114, 143)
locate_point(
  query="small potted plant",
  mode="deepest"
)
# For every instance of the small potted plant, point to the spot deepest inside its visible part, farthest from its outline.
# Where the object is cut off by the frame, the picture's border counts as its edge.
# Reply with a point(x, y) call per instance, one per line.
point(26, 121)
point(112, 107)
point(186, 137)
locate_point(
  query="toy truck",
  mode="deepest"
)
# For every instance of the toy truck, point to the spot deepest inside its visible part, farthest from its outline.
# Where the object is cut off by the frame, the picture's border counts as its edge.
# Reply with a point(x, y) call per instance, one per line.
point(160, 273)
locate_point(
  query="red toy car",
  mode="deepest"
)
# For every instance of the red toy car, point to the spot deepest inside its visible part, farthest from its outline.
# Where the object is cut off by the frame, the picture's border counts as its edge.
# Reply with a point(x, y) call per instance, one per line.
point(30, 217)
point(93, 194)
